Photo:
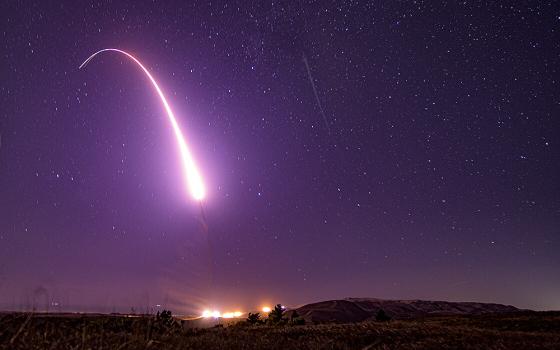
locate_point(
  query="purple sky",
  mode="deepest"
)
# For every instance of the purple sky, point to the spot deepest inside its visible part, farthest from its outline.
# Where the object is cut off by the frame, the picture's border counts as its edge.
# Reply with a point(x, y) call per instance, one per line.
point(438, 178)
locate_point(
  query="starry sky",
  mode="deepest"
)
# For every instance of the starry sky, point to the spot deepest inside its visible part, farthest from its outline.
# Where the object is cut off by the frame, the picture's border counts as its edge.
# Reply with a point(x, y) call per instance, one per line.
point(349, 149)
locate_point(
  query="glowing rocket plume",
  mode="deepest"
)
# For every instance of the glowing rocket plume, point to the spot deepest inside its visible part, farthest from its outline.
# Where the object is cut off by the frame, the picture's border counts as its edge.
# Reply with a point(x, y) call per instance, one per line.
point(192, 176)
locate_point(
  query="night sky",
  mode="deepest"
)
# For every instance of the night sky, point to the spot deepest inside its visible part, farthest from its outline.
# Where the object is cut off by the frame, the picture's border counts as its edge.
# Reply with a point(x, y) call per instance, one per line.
point(354, 149)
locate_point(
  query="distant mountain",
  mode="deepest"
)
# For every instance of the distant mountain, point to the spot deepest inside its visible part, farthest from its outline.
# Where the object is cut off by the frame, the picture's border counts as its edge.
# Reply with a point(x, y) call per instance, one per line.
point(362, 309)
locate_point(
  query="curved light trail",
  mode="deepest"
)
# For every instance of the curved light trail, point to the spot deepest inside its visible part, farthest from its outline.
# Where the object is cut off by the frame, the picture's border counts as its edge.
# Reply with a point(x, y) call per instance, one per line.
point(192, 176)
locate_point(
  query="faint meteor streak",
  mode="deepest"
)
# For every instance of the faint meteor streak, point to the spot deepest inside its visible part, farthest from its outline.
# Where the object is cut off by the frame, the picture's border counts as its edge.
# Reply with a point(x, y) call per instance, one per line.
point(192, 176)
point(315, 92)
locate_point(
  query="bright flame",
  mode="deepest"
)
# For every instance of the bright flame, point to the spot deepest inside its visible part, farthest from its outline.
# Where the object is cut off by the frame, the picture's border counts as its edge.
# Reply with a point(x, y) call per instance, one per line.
point(232, 314)
point(192, 176)
point(217, 314)
point(266, 309)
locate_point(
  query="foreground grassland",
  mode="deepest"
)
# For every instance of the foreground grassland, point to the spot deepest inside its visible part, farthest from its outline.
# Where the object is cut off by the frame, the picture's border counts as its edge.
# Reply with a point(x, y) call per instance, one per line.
point(512, 331)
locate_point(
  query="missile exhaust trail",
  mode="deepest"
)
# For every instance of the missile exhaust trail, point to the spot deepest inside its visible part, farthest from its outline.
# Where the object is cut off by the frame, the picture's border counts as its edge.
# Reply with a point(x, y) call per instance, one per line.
point(193, 178)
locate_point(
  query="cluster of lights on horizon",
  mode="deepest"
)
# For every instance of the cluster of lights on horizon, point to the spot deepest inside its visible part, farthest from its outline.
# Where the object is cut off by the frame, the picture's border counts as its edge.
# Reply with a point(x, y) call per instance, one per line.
point(236, 314)
point(218, 314)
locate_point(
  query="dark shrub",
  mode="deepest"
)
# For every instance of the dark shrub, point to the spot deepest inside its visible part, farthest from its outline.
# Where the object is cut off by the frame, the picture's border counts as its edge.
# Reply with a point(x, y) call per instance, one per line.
point(254, 318)
point(275, 316)
point(296, 319)
point(382, 316)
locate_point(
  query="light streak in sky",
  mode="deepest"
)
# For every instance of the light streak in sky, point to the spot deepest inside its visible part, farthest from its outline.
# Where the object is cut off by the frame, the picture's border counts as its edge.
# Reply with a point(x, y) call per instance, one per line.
point(315, 93)
point(193, 178)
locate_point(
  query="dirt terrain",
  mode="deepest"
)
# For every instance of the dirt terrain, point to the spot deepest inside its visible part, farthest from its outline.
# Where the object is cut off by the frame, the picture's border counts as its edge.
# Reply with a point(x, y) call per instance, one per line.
point(520, 330)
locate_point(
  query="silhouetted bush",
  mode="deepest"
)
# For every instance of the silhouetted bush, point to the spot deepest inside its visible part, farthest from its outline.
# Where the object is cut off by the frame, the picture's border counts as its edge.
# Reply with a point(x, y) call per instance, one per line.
point(254, 318)
point(165, 317)
point(382, 316)
point(163, 323)
point(296, 319)
point(275, 316)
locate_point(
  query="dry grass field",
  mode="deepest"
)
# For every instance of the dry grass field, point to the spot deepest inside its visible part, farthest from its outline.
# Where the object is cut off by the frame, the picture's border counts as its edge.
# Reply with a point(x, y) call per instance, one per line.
point(526, 330)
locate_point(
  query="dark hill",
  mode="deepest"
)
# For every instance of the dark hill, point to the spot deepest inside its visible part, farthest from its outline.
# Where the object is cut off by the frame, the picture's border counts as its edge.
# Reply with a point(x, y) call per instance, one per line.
point(361, 309)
